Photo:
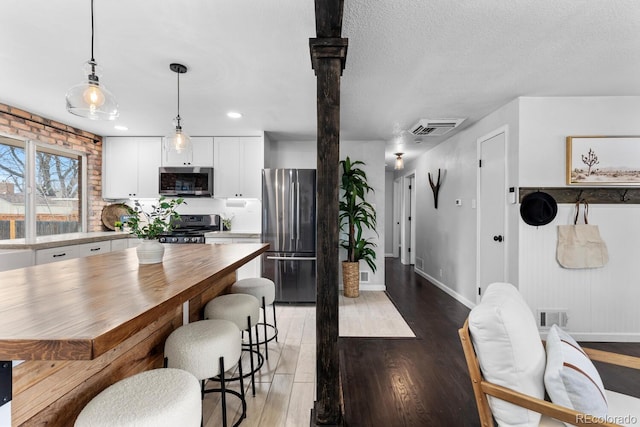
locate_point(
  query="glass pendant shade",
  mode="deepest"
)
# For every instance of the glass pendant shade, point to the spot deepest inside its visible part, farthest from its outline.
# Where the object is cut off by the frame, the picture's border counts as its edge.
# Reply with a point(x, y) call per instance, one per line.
point(177, 141)
point(399, 161)
point(90, 99)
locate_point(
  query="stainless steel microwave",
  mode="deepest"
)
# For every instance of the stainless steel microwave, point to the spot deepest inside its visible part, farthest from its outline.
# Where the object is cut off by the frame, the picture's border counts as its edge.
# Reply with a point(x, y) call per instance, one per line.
point(186, 181)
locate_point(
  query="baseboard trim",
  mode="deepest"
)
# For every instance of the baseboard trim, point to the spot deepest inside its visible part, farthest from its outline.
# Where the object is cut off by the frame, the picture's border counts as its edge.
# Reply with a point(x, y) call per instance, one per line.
point(389, 255)
point(600, 336)
point(369, 287)
point(461, 299)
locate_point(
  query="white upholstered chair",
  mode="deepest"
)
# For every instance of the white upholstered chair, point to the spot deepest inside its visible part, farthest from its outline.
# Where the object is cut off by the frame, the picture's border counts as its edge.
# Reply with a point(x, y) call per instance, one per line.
point(511, 370)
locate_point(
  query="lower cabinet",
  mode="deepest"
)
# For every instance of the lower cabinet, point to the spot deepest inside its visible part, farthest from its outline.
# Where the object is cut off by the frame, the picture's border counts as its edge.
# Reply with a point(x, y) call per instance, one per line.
point(119, 244)
point(15, 258)
point(60, 253)
point(89, 249)
point(11, 259)
point(250, 269)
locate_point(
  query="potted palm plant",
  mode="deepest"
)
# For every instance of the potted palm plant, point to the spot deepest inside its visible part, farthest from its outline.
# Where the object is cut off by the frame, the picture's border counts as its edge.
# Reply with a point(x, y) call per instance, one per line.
point(147, 226)
point(356, 215)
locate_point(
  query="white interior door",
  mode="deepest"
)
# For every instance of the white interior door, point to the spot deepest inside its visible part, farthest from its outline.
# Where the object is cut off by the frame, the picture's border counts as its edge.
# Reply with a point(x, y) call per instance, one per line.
point(397, 197)
point(408, 229)
point(412, 192)
point(492, 204)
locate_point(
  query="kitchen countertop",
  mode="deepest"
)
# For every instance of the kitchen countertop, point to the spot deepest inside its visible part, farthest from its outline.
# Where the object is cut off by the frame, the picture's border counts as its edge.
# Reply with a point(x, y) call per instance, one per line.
point(78, 309)
point(54, 241)
point(57, 240)
point(236, 234)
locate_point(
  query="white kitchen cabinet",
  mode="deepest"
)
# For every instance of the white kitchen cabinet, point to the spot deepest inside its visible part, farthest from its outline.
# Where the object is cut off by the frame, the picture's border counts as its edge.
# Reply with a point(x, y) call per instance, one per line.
point(89, 249)
point(250, 269)
point(238, 164)
point(130, 167)
point(61, 253)
point(201, 154)
point(119, 244)
point(15, 258)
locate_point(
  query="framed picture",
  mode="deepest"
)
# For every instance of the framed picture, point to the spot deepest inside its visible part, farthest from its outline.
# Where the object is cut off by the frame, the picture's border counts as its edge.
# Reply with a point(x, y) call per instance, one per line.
point(603, 160)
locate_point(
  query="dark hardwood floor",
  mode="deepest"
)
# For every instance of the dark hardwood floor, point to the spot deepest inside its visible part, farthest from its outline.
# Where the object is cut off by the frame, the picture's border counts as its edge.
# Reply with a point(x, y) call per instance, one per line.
point(423, 381)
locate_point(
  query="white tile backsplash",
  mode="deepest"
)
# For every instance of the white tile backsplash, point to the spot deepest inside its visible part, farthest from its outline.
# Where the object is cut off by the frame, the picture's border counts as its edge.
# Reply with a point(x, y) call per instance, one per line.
point(246, 219)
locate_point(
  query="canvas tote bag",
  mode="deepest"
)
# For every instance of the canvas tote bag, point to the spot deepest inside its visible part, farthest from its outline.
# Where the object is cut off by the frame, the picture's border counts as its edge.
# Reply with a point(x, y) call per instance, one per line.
point(580, 245)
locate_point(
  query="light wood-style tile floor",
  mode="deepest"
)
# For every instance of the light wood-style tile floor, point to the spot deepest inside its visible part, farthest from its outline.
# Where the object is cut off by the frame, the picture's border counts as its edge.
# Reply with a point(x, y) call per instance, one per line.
point(285, 386)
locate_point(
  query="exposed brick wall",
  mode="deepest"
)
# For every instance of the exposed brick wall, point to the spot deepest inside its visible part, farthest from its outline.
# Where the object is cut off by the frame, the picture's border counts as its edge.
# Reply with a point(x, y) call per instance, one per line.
point(31, 126)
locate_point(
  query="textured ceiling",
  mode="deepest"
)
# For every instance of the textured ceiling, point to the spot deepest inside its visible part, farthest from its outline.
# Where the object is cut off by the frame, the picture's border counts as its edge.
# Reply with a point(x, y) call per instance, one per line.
point(406, 60)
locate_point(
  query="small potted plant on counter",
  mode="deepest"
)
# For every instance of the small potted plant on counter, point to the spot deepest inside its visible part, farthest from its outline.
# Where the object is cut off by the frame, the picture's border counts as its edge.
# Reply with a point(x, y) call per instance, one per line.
point(226, 222)
point(147, 226)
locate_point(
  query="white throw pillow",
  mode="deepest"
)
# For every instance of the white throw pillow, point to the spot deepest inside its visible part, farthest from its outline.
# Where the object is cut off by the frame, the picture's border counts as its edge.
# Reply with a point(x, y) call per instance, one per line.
point(510, 352)
point(570, 377)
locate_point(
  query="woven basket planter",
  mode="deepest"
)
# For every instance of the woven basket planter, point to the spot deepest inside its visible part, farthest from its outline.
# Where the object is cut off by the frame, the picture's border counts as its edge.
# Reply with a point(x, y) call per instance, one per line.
point(351, 279)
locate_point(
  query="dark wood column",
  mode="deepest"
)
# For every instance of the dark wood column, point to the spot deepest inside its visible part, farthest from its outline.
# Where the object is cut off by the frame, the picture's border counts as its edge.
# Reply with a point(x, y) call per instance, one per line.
point(328, 54)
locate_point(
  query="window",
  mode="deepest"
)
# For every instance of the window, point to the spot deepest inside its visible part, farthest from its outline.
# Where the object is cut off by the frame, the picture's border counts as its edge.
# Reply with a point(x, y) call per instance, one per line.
point(12, 188)
point(55, 205)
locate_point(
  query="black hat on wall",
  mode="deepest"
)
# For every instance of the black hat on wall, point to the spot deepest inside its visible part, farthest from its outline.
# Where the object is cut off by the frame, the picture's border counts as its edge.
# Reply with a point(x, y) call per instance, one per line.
point(538, 208)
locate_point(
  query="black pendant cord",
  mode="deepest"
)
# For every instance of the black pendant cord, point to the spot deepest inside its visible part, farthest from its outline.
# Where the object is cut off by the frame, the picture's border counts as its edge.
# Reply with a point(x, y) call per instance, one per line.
point(178, 116)
point(92, 59)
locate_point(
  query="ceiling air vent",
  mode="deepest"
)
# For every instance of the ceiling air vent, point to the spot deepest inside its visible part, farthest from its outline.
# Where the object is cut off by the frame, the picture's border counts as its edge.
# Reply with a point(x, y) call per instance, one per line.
point(434, 127)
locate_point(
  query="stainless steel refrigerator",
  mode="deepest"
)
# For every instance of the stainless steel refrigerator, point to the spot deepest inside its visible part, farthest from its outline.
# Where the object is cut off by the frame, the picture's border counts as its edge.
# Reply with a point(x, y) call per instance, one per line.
point(289, 225)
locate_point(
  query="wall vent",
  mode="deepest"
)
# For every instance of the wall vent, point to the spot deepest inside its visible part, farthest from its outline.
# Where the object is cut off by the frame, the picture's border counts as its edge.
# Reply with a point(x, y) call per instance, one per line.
point(364, 276)
point(547, 318)
point(434, 127)
point(419, 263)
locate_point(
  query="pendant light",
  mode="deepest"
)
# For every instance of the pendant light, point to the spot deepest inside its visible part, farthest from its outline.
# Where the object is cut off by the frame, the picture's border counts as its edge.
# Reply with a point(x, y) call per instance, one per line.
point(399, 161)
point(90, 99)
point(178, 140)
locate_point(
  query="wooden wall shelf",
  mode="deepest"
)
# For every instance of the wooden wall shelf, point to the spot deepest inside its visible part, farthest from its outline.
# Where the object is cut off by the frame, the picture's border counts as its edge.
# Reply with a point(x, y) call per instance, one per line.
point(593, 195)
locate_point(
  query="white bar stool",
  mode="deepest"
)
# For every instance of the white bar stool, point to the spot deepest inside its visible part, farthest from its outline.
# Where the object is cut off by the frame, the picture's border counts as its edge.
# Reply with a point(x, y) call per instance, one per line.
point(265, 290)
point(155, 398)
point(244, 311)
point(202, 348)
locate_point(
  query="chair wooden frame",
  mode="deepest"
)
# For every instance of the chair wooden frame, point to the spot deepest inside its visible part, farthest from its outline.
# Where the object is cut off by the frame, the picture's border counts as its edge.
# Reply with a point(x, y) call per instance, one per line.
point(483, 388)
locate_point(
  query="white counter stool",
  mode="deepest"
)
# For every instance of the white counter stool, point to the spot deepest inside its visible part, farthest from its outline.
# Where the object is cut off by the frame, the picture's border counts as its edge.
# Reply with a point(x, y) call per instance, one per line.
point(207, 349)
point(265, 290)
point(155, 398)
point(244, 311)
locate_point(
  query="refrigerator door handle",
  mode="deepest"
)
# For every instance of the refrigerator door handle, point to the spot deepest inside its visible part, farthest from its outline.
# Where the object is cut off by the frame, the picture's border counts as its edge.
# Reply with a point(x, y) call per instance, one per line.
point(292, 208)
point(292, 258)
point(297, 213)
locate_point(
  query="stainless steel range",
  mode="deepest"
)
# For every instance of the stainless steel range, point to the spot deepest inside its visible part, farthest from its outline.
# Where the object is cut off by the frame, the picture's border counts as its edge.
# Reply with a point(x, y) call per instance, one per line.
point(191, 229)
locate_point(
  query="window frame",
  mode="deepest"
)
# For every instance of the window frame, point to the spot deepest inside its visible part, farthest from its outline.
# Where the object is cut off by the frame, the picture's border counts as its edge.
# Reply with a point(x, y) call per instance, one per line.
point(30, 147)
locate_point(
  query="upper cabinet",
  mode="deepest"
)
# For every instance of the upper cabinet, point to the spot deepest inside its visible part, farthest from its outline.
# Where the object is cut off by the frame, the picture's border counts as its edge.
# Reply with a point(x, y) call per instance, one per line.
point(130, 167)
point(200, 155)
point(238, 164)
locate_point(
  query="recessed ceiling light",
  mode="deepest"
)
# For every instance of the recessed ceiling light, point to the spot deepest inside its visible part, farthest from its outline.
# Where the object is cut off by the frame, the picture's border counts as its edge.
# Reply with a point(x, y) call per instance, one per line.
point(121, 127)
point(234, 115)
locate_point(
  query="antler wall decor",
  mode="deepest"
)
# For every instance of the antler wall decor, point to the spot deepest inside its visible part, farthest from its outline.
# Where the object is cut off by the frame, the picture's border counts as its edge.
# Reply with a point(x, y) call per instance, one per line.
point(435, 188)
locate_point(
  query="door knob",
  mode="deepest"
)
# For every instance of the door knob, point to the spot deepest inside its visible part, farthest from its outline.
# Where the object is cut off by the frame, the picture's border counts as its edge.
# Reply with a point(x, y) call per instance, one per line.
point(497, 238)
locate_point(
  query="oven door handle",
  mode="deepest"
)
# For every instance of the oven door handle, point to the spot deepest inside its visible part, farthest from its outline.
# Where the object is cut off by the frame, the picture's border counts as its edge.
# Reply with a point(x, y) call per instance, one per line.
point(292, 258)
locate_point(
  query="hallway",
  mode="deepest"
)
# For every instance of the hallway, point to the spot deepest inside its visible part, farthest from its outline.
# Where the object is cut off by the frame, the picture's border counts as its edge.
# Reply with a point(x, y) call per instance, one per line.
point(423, 381)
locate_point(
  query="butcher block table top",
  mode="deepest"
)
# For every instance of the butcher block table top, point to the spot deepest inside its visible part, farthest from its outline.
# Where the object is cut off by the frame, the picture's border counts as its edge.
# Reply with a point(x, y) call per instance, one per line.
point(81, 308)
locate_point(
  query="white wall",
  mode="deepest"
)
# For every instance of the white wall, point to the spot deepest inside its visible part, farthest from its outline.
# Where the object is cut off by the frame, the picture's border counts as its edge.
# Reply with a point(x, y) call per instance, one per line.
point(372, 154)
point(602, 302)
point(446, 237)
point(293, 154)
